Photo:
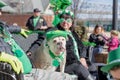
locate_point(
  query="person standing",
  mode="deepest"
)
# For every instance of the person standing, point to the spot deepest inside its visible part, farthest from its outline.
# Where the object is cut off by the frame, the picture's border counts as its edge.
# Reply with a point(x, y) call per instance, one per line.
point(35, 23)
point(113, 41)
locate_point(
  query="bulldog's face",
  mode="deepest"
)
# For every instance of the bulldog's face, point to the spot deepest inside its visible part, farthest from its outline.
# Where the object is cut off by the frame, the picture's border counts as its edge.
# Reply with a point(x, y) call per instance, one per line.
point(57, 45)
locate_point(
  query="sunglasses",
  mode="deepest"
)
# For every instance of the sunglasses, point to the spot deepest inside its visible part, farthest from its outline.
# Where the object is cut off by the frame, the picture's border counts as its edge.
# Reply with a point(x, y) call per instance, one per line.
point(66, 20)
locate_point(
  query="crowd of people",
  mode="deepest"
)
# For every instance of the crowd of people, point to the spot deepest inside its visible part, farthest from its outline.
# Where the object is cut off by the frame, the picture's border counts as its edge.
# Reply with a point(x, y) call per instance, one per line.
point(76, 62)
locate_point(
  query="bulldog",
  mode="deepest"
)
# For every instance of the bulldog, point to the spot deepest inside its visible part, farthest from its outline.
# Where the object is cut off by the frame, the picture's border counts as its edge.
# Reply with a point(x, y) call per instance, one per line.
point(52, 52)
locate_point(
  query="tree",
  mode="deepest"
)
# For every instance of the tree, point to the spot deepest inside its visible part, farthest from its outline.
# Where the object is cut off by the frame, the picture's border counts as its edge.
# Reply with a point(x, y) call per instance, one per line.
point(74, 8)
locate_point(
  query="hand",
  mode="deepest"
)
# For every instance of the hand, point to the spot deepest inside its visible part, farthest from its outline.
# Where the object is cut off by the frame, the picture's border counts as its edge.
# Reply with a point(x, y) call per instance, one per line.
point(29, 53)
point(13, 61)
point(83, 62)
point(100, 38)
point(25, 32)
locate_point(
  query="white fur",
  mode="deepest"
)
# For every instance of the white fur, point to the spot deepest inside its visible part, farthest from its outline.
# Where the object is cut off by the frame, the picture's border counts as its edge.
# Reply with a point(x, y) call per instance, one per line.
point(43, 60)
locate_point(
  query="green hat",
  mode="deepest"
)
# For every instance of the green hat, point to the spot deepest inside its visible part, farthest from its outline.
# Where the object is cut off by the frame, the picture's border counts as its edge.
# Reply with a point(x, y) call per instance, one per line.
point(112, 61)
point(55, 33)
point(68, 12)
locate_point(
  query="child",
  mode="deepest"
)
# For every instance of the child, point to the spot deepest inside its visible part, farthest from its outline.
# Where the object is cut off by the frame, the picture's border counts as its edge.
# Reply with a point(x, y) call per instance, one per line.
point(113, 42)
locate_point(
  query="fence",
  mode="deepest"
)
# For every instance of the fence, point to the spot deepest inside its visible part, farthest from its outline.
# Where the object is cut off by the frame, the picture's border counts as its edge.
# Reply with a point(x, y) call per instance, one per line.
point(21, 19)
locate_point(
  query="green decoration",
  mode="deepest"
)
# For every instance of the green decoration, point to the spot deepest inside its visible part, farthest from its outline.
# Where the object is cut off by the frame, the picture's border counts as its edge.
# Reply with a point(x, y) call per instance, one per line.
point(60, 4)
point(87, 43)
point(67, 12)
point(25, 32)
point(55, 63)
point(56, 20)
point(2, 4)
point(56, 33)
point(75, 46)
point(36, 31)
point(17, 50)
point(56, 59)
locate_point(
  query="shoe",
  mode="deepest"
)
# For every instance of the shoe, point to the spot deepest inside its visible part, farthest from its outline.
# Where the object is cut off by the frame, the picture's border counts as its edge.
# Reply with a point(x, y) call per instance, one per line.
point(90, 77)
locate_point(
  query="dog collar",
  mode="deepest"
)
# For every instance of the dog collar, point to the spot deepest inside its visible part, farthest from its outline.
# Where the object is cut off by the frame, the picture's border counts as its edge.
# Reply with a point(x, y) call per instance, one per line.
point(56, 59)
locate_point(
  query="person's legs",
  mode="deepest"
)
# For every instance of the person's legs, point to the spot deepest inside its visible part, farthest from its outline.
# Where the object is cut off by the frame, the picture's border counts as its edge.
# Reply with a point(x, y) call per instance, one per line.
point(98, 50)
point(79, 70)
point(92, 69)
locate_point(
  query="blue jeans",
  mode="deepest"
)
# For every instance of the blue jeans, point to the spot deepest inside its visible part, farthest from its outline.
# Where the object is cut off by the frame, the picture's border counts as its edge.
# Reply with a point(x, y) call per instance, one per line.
point(96, 50)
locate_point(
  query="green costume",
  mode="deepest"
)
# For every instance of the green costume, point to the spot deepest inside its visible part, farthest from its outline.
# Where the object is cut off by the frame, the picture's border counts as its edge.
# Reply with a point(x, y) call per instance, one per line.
point(56, 33)
point(59, 5)
point(16, 49)
point(24, 64)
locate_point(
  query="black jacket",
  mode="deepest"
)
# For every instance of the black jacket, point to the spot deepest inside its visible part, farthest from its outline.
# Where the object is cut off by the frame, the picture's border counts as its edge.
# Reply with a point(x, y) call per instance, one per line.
point(94, 38)
point(30, 25)
point(71, 57)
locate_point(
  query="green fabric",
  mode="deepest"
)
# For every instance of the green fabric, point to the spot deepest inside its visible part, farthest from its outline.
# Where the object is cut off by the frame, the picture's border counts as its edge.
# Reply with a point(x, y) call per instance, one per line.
point(2, 4)
point(69, 20)
point(112, 60)
point(87, 43)
point(20, 54)
point(56, 33)
point(36, 31)
point(75, 45)
point(60, 4)
point(56, 20)
point(67, 12)
point(17, 51)
point(24, 32)
point(55, 63)
point(35, 20)
point(14, 61)
point(56, 59)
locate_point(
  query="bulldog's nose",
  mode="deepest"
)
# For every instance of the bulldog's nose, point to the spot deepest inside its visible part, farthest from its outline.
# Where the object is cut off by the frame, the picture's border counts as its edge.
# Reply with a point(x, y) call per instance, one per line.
point(59, 43)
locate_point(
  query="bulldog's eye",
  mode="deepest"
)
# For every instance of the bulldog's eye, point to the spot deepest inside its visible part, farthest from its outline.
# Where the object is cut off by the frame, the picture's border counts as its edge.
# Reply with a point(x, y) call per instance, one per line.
point(54, 41)
point(63, 39)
